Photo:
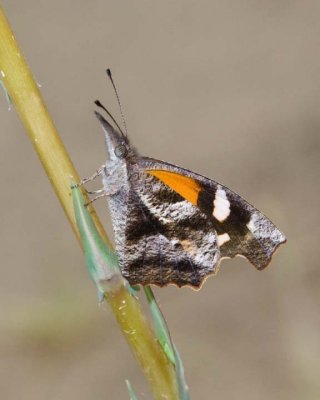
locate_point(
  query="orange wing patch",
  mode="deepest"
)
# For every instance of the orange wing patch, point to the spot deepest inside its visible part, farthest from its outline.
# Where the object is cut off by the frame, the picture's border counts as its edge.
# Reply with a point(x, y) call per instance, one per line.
point(187, 187)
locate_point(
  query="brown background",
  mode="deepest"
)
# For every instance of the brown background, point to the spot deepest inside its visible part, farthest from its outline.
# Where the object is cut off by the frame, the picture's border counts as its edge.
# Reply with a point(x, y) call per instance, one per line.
point(229, 89)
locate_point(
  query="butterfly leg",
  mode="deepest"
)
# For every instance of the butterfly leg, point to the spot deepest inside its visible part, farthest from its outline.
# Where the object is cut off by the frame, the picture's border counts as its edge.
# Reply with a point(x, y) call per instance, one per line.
point(96, 191)
point(103, 194)
point(98, 172)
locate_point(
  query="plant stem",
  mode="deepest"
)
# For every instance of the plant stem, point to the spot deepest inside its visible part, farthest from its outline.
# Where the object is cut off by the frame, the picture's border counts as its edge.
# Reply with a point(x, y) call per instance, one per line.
point(26, 97)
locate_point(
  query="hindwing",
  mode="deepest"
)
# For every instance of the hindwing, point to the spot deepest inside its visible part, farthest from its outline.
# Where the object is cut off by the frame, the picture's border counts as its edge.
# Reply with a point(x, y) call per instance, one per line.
point(166, 239)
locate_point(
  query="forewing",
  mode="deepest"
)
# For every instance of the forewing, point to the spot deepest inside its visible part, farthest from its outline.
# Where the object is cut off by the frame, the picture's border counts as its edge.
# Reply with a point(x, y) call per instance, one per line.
point(167, 239)
point(242, 229)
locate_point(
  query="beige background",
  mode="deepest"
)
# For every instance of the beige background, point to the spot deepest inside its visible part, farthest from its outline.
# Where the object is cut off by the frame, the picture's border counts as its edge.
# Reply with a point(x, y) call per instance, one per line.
point(229, 89)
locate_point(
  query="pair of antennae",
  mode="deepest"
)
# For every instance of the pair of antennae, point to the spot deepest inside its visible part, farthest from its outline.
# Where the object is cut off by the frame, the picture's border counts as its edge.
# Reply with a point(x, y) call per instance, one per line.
point(99, 104)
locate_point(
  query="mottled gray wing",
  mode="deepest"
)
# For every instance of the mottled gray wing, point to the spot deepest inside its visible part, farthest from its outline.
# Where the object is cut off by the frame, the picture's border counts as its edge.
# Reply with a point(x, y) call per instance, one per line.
point(166, 239)
point(242, 229)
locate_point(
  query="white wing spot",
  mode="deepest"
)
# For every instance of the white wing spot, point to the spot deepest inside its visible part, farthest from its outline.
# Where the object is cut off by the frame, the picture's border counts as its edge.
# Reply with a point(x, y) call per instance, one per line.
point(221, 210)
point(251, 225)
point(222, 239)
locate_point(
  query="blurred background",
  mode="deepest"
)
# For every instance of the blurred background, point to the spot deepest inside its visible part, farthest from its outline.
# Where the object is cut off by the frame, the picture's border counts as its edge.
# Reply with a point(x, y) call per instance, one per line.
point(228, 89)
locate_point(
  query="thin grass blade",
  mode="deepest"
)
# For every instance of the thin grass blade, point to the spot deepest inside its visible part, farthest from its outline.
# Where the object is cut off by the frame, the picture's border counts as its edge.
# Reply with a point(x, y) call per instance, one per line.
point(131, 391)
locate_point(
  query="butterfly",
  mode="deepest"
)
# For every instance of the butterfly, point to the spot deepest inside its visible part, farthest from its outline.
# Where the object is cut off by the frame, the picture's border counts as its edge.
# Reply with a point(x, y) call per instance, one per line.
point(171, 225)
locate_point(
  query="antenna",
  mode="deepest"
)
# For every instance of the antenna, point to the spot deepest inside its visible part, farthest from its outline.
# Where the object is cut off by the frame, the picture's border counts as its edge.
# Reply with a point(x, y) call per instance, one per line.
point(99, 104)
point(116, 92)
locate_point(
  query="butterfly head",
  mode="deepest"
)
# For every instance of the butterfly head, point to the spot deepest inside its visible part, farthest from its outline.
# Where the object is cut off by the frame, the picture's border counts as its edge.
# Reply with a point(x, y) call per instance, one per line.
point(117, 143)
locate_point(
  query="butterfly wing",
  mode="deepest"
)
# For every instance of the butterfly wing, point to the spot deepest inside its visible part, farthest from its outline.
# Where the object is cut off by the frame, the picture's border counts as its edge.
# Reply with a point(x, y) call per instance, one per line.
point(179, 224)
point(242, 229)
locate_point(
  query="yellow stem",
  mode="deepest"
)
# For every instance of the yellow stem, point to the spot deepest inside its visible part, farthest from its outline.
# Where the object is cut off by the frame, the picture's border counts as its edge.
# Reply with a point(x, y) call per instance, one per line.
point(27, 99)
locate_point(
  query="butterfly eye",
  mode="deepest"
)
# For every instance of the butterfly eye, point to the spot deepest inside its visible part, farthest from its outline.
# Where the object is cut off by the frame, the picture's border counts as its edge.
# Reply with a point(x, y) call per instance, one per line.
point(121, 151)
